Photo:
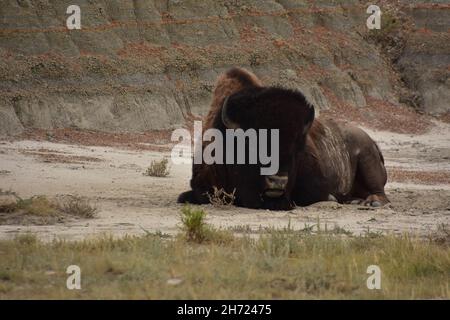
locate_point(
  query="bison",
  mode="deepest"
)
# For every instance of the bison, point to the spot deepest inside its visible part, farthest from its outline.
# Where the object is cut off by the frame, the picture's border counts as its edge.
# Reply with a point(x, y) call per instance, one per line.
point(319, 160)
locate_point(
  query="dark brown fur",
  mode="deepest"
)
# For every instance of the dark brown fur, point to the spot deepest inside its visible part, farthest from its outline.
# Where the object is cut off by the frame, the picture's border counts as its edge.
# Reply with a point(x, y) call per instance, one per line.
point(234, 80)
point(323, 159)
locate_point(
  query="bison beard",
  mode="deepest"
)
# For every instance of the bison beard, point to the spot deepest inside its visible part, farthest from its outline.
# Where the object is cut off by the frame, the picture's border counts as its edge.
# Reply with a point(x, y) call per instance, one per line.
point(319, 160)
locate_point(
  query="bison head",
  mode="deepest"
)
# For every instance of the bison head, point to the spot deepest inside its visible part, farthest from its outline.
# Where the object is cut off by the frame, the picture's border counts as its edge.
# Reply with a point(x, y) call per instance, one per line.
point(266, 108)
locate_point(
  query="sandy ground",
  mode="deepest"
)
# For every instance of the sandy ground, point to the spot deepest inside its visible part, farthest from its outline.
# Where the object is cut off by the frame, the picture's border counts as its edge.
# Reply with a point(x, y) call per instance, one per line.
point(130, 202)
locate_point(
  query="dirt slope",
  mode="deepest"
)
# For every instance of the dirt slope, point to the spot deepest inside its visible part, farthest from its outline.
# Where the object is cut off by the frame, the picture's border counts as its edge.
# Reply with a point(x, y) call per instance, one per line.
point(144, 65)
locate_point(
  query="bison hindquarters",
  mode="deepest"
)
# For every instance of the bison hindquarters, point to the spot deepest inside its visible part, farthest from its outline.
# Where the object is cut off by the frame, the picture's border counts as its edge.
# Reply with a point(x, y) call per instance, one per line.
point(370, 175)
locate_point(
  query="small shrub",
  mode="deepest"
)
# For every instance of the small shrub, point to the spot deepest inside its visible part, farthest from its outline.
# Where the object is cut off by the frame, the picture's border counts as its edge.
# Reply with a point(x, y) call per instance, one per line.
point(220, 198)
point(193, 224)
point(77, 206)
point(26, 239)
point(37, 206)
point(197, 230)
point(45, 209)
point(389, 25)
point(158, 168)
point(442, 234)
point(8, 201)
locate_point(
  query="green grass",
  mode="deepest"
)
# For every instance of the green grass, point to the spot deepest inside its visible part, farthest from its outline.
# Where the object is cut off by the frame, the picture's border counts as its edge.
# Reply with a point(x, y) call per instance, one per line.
point(286, 263)
point(196, 230)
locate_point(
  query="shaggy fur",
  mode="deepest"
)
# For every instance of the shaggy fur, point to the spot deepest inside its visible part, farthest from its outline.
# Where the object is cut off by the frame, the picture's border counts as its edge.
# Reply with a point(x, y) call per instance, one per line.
point(323, 160)
point(235, 80)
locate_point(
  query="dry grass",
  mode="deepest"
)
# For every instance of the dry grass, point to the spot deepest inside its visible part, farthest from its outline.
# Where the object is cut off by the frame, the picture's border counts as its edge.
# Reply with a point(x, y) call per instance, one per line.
point(77, 206)
point(37, 206)
point(220, 198)
point(38, 210)
point(41, 210)
point(158, 168)
point(8, 202)
point(442, 234)
point(280, 264)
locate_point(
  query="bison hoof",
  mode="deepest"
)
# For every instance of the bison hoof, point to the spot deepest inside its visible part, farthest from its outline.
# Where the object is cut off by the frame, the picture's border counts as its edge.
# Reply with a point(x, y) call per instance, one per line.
point(332, 198)
point(375, 204)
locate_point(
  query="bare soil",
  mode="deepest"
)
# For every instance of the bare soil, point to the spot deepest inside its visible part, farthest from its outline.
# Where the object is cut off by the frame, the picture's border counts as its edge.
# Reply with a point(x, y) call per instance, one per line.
point(111, 177)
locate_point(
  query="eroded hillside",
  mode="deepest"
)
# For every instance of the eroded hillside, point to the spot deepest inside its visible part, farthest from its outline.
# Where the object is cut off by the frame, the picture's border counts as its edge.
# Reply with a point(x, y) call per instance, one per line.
point(145, 65)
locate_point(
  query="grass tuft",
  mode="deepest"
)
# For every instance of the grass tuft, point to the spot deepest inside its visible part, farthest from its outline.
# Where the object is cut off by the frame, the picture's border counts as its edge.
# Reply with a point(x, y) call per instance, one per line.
point(158, 168)
point(197, 230)
point(42, 210)
point(26, 239)
point(37, 206)
point(8, 201)
point(77, 206)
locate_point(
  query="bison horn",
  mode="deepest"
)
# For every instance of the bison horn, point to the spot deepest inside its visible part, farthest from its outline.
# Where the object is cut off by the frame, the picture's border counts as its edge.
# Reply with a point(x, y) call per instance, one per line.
point(225, 119)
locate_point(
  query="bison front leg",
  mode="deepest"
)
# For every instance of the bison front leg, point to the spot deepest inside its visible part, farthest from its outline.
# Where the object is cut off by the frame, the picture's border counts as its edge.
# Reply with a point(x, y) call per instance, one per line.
point(193, 197)
point(283, 203)
point(201, 183)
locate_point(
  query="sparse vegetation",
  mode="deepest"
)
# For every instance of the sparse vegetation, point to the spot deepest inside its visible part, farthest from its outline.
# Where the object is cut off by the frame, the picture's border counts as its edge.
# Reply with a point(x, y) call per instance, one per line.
point(280, 264)
point(220, 198)
point(246, 229)
point(390, 23)
point(42, 210)
point(158, 168)
point(8, 201)
point(392, 34)
point(193, 224)
point(37, 206)
point(442, 234)
point(77, 206)
point(197, 230)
